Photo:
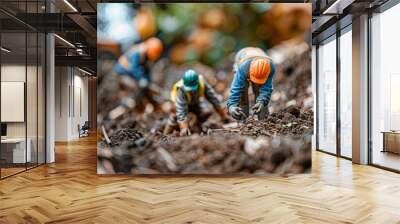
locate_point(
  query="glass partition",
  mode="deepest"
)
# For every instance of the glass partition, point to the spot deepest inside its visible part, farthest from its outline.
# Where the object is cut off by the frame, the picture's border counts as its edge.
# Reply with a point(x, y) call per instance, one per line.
point(346, 93)
point(327, 96)
point(31, 86)
point(14, 151)
point(22, 77)
point(385, 89)
point(31, 97)
point(41, 110)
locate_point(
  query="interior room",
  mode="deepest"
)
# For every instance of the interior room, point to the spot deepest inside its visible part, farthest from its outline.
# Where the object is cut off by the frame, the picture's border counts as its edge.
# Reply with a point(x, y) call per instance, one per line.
point(385, 87)
point(49, 130)
point(335, 93)
point(22, 100)
point(72, 105)
point(336, 80)
point(45, 88)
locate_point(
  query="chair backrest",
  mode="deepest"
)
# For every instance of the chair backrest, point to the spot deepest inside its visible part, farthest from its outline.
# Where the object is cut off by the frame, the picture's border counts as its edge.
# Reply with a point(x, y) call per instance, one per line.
point(86, 125)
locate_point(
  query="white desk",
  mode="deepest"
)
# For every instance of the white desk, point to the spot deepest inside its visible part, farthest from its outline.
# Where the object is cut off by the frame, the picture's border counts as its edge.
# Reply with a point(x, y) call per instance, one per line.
point(18, 149)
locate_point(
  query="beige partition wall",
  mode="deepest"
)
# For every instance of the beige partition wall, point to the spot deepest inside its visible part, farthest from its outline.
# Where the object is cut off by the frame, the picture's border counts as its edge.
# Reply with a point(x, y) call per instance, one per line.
point(32, 97)
point(360, 90)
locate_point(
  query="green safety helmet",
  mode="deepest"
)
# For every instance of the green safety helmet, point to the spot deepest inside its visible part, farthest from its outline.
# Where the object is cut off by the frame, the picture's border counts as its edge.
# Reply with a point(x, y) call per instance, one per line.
point(190, 80)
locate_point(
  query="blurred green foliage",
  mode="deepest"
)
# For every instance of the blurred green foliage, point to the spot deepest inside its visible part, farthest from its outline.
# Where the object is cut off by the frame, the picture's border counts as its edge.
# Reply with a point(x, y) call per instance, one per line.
point(175, 23)
point(206, 33)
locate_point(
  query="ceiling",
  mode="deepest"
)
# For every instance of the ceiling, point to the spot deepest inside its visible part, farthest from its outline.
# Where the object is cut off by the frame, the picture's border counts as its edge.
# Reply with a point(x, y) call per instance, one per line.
point(72, 20)
point(332, 15)
point(76, 21)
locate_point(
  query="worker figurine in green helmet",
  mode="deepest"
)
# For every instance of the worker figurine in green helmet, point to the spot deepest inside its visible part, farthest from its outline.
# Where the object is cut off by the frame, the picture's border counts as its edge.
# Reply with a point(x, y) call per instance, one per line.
point(187, 94)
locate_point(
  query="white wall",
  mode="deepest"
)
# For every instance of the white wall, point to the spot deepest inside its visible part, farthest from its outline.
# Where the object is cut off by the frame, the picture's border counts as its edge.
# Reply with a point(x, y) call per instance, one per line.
point(70, 83)
point(14, 73)
point(33, 126)
point(61, 103)
point(81, 104)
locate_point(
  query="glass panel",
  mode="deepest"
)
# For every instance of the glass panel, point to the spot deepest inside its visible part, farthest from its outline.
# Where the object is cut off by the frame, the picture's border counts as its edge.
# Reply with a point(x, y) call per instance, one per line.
point(31, 88)
point(346, 94)
point(13, 86)
point(41, 99)
point(385, 84)
point(313, 78)
point(23, 84)
point(327, 97)
point(31, 98)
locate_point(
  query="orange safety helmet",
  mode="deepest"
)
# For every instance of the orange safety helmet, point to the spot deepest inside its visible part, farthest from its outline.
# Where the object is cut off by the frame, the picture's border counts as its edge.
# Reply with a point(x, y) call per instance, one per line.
point(154, 48)
point(260, 68)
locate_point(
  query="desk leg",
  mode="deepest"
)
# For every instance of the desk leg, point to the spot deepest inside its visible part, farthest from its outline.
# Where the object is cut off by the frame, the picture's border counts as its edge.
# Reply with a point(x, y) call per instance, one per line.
point(384, 142)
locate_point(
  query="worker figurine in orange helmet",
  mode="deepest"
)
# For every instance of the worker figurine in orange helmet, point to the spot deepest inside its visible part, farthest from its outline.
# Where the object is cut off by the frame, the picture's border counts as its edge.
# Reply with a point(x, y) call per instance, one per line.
point(252, 67)
point(135, 63)
point(187, 94)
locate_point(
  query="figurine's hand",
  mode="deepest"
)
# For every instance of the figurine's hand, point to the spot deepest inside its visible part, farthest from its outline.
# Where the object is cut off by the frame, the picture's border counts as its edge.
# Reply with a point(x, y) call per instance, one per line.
point(256, 109)
point(236, 112)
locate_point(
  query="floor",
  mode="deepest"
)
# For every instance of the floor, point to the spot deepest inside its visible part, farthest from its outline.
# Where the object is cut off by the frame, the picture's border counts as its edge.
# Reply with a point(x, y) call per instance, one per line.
point(10, 171)
point(70, 191)
point(5, 172)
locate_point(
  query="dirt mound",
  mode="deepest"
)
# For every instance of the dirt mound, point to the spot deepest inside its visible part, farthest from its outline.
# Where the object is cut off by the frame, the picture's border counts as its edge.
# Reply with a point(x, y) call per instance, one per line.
point(125, 136)
point(214, 154)
point(280, 123)
point(276, 145)
point(290, 121)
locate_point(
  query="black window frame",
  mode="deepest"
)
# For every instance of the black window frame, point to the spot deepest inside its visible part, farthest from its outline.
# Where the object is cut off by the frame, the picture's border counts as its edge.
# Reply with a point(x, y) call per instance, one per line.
point(339, 28)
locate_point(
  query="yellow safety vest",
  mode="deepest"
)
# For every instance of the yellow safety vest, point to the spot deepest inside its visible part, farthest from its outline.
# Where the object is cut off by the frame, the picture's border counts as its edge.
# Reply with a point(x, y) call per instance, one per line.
point(179, 84)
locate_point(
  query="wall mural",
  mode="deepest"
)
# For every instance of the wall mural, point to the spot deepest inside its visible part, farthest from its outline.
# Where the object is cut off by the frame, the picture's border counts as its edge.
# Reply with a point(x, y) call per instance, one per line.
point(204, 88)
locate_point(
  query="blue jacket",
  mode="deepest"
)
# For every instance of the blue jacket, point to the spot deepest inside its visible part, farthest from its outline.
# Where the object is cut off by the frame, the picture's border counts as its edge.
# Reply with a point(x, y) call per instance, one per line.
point(239, 82)
point(135, 68)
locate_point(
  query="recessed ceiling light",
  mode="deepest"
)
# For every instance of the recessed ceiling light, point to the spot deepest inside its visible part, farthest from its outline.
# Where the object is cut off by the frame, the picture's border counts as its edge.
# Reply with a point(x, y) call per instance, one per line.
point(5, 50)
point(64, 40)
point(70, 5)
point(337, 7)
point(84, 71)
